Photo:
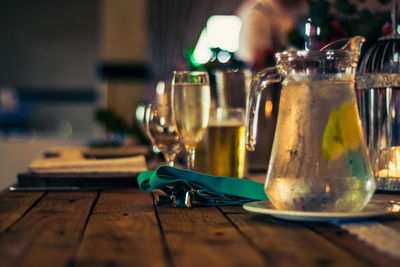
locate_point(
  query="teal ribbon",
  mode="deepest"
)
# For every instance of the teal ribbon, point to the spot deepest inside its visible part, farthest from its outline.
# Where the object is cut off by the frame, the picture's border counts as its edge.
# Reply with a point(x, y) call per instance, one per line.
point(224, 190)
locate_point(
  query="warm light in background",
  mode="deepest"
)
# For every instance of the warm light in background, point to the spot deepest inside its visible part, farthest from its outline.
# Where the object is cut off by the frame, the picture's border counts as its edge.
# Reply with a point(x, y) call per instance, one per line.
point(393, 167)
point(222, 32)
point(268, 108)
point(327, 189)
point(8, 100)
point(161, 96)
point(160, 88)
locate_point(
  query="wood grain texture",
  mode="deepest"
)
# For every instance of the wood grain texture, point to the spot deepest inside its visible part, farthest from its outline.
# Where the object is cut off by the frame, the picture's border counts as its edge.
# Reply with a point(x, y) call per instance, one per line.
point(205, 237)
point(360, 250)
point(48, 235)
point(290, 244)
point(232, 209)
point(13, 205)
point(122, 231)
point(122, 228)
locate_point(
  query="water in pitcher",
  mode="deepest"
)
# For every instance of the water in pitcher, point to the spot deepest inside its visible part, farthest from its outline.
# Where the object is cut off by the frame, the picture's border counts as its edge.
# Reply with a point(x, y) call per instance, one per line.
point(318, 161)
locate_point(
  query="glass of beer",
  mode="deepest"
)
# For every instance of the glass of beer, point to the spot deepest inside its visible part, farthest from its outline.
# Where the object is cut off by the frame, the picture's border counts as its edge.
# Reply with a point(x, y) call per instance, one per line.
point(225, 143)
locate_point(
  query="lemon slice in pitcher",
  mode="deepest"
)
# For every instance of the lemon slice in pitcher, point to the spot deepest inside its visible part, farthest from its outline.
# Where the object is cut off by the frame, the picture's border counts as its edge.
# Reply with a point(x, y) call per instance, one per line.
point(332, 147)
point(341, 132)
point(348, 126)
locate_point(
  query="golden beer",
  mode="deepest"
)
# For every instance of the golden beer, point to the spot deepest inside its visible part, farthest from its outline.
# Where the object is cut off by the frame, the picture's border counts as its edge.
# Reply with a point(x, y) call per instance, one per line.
point(226, 149)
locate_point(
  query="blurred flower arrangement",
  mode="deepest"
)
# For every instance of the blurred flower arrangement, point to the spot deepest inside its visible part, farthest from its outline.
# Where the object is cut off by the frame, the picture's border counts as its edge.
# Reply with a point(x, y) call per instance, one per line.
point(336, 19)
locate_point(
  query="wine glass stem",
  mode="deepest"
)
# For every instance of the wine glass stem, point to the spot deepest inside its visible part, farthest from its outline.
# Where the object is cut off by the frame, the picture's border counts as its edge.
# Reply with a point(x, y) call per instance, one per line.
point(169, 158)
point(190, 153)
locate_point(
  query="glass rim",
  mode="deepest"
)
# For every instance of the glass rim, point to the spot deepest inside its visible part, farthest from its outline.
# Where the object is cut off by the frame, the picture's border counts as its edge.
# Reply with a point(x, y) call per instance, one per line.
point(227, 109)
point(287, 56)
point(226, 116)
point(190, 77)
point(230, 71)
point(190, 72)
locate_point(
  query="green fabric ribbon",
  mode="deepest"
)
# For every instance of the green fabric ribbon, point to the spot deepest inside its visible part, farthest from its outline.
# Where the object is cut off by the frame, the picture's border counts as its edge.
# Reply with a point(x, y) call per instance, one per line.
point(212, 190)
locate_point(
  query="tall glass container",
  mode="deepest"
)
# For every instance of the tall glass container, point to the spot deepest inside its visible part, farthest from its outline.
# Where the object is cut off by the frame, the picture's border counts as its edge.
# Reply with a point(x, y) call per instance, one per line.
point(319, 158)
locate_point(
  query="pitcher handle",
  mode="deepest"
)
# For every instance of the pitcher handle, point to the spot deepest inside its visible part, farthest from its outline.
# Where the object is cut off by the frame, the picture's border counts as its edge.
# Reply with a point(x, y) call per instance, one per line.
point(260, 81)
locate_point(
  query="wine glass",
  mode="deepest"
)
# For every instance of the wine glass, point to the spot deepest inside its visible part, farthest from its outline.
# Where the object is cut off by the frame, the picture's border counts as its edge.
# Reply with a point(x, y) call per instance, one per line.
point(141, 113)
point(190, 108)
point(161, 131)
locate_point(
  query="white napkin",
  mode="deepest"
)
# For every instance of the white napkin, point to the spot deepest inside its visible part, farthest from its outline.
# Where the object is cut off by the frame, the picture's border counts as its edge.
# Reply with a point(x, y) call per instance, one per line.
point(72, 161)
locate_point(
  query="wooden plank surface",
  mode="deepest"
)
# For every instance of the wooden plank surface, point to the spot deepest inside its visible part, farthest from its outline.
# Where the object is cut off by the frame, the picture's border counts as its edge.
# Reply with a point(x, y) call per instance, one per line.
point(360, 250)
point(365, 252)
point(123, 228)
point(49, 233)
point(287, 243)
point(123, 231)
point(232, 209)
point(14, 204)
point(205, 237)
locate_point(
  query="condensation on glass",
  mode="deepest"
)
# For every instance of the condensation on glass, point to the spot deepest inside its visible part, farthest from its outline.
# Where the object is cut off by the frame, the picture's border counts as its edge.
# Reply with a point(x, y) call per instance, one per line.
point(319, 157)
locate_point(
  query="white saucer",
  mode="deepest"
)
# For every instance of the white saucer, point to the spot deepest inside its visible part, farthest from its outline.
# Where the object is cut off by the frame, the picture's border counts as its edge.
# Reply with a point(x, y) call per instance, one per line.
point(373, 209)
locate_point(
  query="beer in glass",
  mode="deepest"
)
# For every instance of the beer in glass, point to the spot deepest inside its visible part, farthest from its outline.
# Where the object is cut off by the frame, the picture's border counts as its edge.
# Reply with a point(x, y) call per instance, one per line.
point(225, 143)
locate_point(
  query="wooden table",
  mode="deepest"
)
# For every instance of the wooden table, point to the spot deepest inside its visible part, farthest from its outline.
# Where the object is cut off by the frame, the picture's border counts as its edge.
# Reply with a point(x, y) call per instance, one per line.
point(116, 228)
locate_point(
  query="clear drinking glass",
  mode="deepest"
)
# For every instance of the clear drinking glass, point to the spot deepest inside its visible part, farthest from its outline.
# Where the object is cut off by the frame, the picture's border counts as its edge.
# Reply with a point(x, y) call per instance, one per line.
point(191, 107)
point(142, 112)
point(225, 143)
point(162, 132)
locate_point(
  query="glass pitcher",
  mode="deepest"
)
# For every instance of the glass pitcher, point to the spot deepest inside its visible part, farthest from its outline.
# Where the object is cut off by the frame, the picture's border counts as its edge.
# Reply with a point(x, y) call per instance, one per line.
point(319, 159)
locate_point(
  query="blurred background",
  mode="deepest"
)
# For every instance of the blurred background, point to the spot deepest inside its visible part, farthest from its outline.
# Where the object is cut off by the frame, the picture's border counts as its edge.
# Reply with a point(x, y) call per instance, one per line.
point(73, 71)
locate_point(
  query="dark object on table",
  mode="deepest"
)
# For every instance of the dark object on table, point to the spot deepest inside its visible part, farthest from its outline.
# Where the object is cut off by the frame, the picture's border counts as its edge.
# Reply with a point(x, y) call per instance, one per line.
point(28, 181)
point(115, 152)
point(68, 169)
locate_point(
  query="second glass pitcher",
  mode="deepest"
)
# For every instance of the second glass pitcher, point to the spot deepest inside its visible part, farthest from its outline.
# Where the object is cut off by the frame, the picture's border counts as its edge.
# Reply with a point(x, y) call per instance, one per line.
point(319, 159)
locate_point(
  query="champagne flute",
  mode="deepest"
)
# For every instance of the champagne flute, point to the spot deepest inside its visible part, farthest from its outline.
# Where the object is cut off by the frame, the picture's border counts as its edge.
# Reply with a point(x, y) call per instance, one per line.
point(161, 131)
point(190, 109)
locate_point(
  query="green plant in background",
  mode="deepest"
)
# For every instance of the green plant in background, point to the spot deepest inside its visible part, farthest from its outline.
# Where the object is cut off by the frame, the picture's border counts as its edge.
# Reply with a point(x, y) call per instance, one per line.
point(111, 121)
point(118, 127)
point(338, 19)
